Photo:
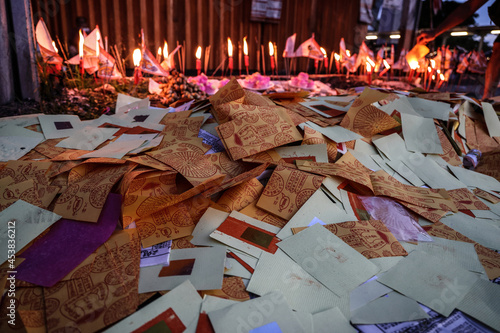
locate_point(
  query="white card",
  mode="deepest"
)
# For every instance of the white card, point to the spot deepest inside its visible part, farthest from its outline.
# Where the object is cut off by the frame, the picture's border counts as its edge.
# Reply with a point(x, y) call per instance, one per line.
point(204, 267)
point(330, 260)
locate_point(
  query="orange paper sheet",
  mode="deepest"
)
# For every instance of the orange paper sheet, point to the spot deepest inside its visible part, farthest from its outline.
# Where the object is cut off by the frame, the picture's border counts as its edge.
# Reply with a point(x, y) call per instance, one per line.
point(347, 167)
point(240, 196)
point(287, 190)
point(383, 184)
point(84, 199)
point(371, 238)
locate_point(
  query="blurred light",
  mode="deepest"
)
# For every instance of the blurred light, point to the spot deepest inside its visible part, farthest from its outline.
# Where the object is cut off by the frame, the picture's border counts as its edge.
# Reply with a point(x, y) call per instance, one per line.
point(495, 32)
point(395, 36)
point(459, 33)
point(137, 57)
point(371, 37)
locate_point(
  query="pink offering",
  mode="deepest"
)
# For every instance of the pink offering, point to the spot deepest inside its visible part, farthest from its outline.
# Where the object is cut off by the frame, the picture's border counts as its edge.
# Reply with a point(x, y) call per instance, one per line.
point(302, 81)
point(206, 85)
point(257, 82)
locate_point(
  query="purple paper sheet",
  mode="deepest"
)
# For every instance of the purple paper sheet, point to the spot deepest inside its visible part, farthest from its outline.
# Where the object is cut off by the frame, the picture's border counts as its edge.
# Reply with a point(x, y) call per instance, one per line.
point(66, 245)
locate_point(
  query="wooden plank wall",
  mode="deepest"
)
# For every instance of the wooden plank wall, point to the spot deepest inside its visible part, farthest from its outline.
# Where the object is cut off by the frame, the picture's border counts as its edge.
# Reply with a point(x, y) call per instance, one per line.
point(202, 22)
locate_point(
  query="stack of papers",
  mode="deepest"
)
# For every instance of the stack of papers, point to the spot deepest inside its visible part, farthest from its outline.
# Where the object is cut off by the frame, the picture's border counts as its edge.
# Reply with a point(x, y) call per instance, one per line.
point(256, 214)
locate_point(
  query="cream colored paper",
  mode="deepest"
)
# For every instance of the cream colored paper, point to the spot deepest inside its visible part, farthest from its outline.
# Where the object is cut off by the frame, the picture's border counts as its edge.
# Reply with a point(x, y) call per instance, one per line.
point(184, 300)
point(420, 135)
point(206, 274)
point(303, 292)
point(389, 309)
point(430, 281)
point(329, 259)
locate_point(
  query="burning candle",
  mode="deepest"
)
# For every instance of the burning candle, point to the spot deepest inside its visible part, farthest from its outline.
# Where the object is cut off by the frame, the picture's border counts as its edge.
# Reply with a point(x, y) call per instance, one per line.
point(97, 44)
point(387, 67)
point(245, 52)
point(369, 72)
point(137, 61)
point(271, 55)
point(230, 54)
point(158, 55)
point(80, 51)
point(198, 60)
point(441, 80)
point(325, 58)
point(337, 62)
point(413, 66)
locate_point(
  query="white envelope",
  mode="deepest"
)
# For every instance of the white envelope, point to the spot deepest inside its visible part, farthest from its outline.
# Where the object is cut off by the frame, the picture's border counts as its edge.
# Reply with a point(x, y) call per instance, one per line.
point(59, 126)
point(430, 281)
point(207, 224)
point(431, 173)
point(430, 109)
point(329, 259)
point(483, 303)
point(22, 222)
point(475, 179)
point(335, 133)
point(391, 308)
point(204, 267)
point(320, 206)
point(15, 147)
point(184, 300)
point(87, 138)
point(479, 230)
point(332, 320)
point(264, 314)
point(421, 135)
point(115, 149)
point(303, 292)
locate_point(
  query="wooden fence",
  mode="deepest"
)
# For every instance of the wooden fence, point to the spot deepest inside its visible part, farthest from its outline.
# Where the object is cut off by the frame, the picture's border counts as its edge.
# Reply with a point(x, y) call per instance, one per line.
point(201, 22)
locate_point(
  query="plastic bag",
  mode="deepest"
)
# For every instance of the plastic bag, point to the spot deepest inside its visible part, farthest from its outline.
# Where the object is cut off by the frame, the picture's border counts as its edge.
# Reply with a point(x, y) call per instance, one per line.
point(396, 218)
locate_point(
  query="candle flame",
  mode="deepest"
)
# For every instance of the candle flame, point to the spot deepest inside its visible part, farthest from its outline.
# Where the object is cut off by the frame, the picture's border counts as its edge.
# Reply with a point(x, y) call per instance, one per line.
point(80, 45)
point(386, 64)
point(433, 77)
point(54, 45)
point(441, 77)
point(348, 53)
point(198, 53)
point(323, 51)
point(165, 50)
point(438, 71)
point(433, 63)
point(229, 47)
point(271, 49)
point(137, 57)
point(337, 57)
point(245, 46)
point(370, 61)
point(368, 67)
point(97, 44)
point(159, 51)
point(429, 69)
point(413, 64)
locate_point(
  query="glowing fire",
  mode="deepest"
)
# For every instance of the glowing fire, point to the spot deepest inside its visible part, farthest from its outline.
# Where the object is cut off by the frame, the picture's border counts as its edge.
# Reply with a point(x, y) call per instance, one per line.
point(198, 53)
point(386, 64)
point(80, 44)
point(433, 63)
point(159, 51)
point(165, 50)
point(229, 47)
point(413, 64)
point(323, 51)
point(368, 67)
point(370, 61)
point(271, 49)
point(337, 57)
point(137, 57)
point(245, 46)
point(348, 53)
point(54, 45)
